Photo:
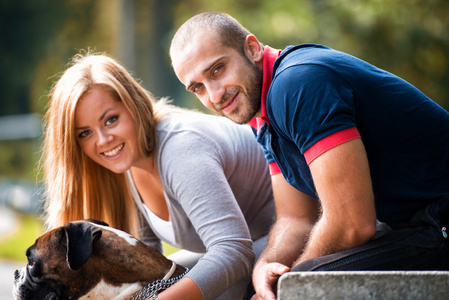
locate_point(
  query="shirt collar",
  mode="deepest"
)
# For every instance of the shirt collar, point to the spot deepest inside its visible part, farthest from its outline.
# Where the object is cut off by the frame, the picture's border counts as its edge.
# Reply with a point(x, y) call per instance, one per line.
point(269, 57)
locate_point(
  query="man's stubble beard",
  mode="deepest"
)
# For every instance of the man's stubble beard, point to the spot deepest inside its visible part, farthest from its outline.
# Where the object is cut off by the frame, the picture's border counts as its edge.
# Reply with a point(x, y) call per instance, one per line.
point(242, 114)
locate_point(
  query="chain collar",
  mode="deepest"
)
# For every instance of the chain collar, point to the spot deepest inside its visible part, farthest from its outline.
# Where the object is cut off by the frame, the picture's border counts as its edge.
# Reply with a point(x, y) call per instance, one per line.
point(150, 291)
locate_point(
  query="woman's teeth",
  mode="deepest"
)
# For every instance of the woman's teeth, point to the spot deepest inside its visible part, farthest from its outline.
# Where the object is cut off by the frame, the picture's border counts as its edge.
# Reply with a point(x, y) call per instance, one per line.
point(115, 151)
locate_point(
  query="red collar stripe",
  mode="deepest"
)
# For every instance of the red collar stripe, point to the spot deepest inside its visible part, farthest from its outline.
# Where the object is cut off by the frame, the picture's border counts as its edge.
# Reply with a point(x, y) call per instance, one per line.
point(269, 57)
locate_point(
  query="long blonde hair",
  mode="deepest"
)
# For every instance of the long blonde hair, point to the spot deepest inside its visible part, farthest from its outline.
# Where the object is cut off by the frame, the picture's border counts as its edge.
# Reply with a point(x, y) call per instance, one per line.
point(75, 186)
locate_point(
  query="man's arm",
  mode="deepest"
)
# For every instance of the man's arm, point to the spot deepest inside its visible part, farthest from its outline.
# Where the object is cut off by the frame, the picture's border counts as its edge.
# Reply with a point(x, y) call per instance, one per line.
point(343, 183)
point(296, 213)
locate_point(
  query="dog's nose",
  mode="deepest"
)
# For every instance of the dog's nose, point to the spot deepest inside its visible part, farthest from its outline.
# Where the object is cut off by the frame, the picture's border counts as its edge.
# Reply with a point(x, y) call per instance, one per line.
point(16, 274)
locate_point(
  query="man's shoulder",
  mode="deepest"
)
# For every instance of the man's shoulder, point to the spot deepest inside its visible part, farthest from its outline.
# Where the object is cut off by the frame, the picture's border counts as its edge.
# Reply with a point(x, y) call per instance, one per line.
point(298, 54)
point(301, 64)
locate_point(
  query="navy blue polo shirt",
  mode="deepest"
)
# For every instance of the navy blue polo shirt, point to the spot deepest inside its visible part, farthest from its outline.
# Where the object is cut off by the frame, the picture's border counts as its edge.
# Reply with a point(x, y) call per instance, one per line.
point(320, 97)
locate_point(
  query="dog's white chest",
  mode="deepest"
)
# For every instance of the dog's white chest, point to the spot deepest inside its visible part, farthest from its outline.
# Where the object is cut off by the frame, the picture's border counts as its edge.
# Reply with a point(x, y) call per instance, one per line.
point(103, 291)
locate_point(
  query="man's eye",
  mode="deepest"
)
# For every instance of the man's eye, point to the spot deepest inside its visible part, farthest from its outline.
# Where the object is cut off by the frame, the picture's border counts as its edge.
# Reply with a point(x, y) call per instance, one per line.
point(111, 120)
point(217, 69)
point(196, 88)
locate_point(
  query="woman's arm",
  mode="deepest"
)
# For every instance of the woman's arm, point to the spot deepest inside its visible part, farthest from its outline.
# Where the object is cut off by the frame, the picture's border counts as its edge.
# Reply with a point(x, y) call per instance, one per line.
point(185, 289)
point(194, 177)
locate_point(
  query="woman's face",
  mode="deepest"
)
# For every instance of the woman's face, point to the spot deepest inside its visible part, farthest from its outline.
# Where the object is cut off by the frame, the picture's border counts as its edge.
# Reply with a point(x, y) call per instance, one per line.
point(105, 130)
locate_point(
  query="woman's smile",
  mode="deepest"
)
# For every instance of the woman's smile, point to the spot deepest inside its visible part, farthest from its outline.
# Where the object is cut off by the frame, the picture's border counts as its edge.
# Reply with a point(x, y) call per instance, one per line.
point(114, 152)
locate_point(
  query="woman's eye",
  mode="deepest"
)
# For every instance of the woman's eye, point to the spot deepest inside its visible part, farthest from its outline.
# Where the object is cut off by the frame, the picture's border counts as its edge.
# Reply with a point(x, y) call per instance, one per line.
point(111, 120)
point(85, 133)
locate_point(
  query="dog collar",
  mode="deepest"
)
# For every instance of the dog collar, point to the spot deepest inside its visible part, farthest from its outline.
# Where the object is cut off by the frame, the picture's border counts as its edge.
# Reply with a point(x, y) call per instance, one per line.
point(170, 272)
point(150, 290)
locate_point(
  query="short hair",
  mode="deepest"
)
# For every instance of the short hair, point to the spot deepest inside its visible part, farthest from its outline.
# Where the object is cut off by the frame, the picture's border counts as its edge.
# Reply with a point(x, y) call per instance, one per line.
point(229, 31)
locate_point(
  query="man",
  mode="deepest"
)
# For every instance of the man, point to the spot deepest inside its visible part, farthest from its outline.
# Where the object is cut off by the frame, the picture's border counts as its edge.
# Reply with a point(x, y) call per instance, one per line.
point(364, 155)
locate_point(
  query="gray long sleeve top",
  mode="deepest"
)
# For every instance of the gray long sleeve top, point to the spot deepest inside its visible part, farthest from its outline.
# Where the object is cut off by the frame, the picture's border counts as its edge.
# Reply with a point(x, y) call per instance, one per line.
point(218, 191)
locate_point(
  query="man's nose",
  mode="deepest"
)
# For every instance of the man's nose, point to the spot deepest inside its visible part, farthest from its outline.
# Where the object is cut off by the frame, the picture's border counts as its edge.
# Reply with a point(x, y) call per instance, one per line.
point(216, 92)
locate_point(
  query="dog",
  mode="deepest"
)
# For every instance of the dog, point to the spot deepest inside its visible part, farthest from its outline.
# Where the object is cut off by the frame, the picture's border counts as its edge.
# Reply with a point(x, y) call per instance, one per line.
point(87, 259)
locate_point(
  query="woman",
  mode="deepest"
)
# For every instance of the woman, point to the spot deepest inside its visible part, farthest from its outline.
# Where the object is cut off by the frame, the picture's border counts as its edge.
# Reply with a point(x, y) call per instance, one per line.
point(198, 182)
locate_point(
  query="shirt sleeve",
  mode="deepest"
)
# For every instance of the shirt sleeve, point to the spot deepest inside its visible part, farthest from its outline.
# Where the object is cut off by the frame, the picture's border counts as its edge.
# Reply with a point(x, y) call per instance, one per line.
point(313, 104)
point(330, 142)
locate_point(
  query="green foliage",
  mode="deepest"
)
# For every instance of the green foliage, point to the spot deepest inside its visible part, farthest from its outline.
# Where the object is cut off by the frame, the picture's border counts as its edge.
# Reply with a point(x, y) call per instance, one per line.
point(408, 38)
point(18, 159)
point(13, 246)
point(38, 38)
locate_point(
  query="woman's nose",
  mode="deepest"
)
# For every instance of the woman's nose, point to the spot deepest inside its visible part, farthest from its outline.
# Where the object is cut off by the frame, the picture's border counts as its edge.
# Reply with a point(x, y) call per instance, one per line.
point(104, 138)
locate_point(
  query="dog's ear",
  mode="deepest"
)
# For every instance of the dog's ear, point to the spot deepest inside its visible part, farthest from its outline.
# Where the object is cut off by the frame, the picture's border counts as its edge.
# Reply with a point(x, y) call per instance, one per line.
point(97, 222)
point(79, 240)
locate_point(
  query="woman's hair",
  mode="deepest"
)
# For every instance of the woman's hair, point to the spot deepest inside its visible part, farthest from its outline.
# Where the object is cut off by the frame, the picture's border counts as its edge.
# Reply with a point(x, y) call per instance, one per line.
point(75, 186)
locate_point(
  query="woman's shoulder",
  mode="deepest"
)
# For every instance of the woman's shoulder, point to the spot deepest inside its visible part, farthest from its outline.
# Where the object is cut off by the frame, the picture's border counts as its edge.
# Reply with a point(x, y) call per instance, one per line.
point(199, 123)
point(202, 134)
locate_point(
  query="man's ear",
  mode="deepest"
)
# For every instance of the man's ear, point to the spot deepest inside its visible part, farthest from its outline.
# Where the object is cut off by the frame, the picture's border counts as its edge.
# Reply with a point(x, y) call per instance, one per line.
point(253, 48)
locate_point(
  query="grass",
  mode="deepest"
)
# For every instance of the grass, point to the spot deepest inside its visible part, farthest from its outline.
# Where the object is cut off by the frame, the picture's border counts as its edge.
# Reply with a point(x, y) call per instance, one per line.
point(14, 245)
point(168, 249)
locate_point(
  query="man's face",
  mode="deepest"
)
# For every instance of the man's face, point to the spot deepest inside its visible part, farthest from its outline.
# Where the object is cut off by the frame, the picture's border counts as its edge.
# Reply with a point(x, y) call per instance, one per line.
point(222, 78)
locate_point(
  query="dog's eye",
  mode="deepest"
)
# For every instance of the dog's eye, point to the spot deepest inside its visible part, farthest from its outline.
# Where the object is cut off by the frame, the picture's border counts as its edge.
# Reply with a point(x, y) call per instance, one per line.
point(31, 262)
point(33, 268)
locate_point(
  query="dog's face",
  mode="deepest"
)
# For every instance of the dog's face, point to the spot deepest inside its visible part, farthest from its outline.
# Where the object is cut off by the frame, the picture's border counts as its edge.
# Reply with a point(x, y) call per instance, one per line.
point(78, 258)
point(29, 283)
point(53, 260)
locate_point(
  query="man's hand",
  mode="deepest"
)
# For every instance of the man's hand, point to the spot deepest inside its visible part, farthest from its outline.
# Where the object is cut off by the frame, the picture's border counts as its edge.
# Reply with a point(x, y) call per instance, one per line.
point(265, 278)
point(295, 215)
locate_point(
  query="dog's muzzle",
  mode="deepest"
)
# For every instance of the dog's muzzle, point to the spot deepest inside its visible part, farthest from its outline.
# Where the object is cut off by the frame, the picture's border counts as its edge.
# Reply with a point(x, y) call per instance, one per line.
point(27, 287)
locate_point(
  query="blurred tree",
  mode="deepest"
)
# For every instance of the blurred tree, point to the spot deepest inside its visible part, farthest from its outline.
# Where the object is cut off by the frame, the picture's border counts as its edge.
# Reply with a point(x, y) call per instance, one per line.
point(87, 26)
point(26, 27)
point(409, 38)
point(37, 39)
point(153, 25)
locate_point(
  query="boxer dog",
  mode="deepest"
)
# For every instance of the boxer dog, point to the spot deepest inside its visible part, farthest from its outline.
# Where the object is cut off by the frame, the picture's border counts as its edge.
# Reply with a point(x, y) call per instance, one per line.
point(89, 260)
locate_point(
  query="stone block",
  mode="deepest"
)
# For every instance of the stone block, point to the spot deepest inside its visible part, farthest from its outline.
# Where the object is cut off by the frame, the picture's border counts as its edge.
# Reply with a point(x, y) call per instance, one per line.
point(385, 285)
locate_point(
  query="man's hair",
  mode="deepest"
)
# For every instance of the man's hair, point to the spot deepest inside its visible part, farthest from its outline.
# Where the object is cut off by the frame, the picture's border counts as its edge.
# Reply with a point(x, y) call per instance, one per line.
point(228, 31)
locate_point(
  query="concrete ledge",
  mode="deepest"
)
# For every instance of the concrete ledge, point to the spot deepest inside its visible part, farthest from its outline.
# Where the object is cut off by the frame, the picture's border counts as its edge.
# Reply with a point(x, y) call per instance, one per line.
point(385, 285)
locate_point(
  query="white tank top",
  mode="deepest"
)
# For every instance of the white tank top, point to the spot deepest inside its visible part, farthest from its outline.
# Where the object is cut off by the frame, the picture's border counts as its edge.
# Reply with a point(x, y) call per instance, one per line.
point(161, 227)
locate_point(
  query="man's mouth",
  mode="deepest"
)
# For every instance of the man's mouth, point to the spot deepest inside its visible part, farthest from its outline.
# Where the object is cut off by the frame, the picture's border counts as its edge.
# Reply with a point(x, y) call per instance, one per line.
point(115, 151)
point(228, 106)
